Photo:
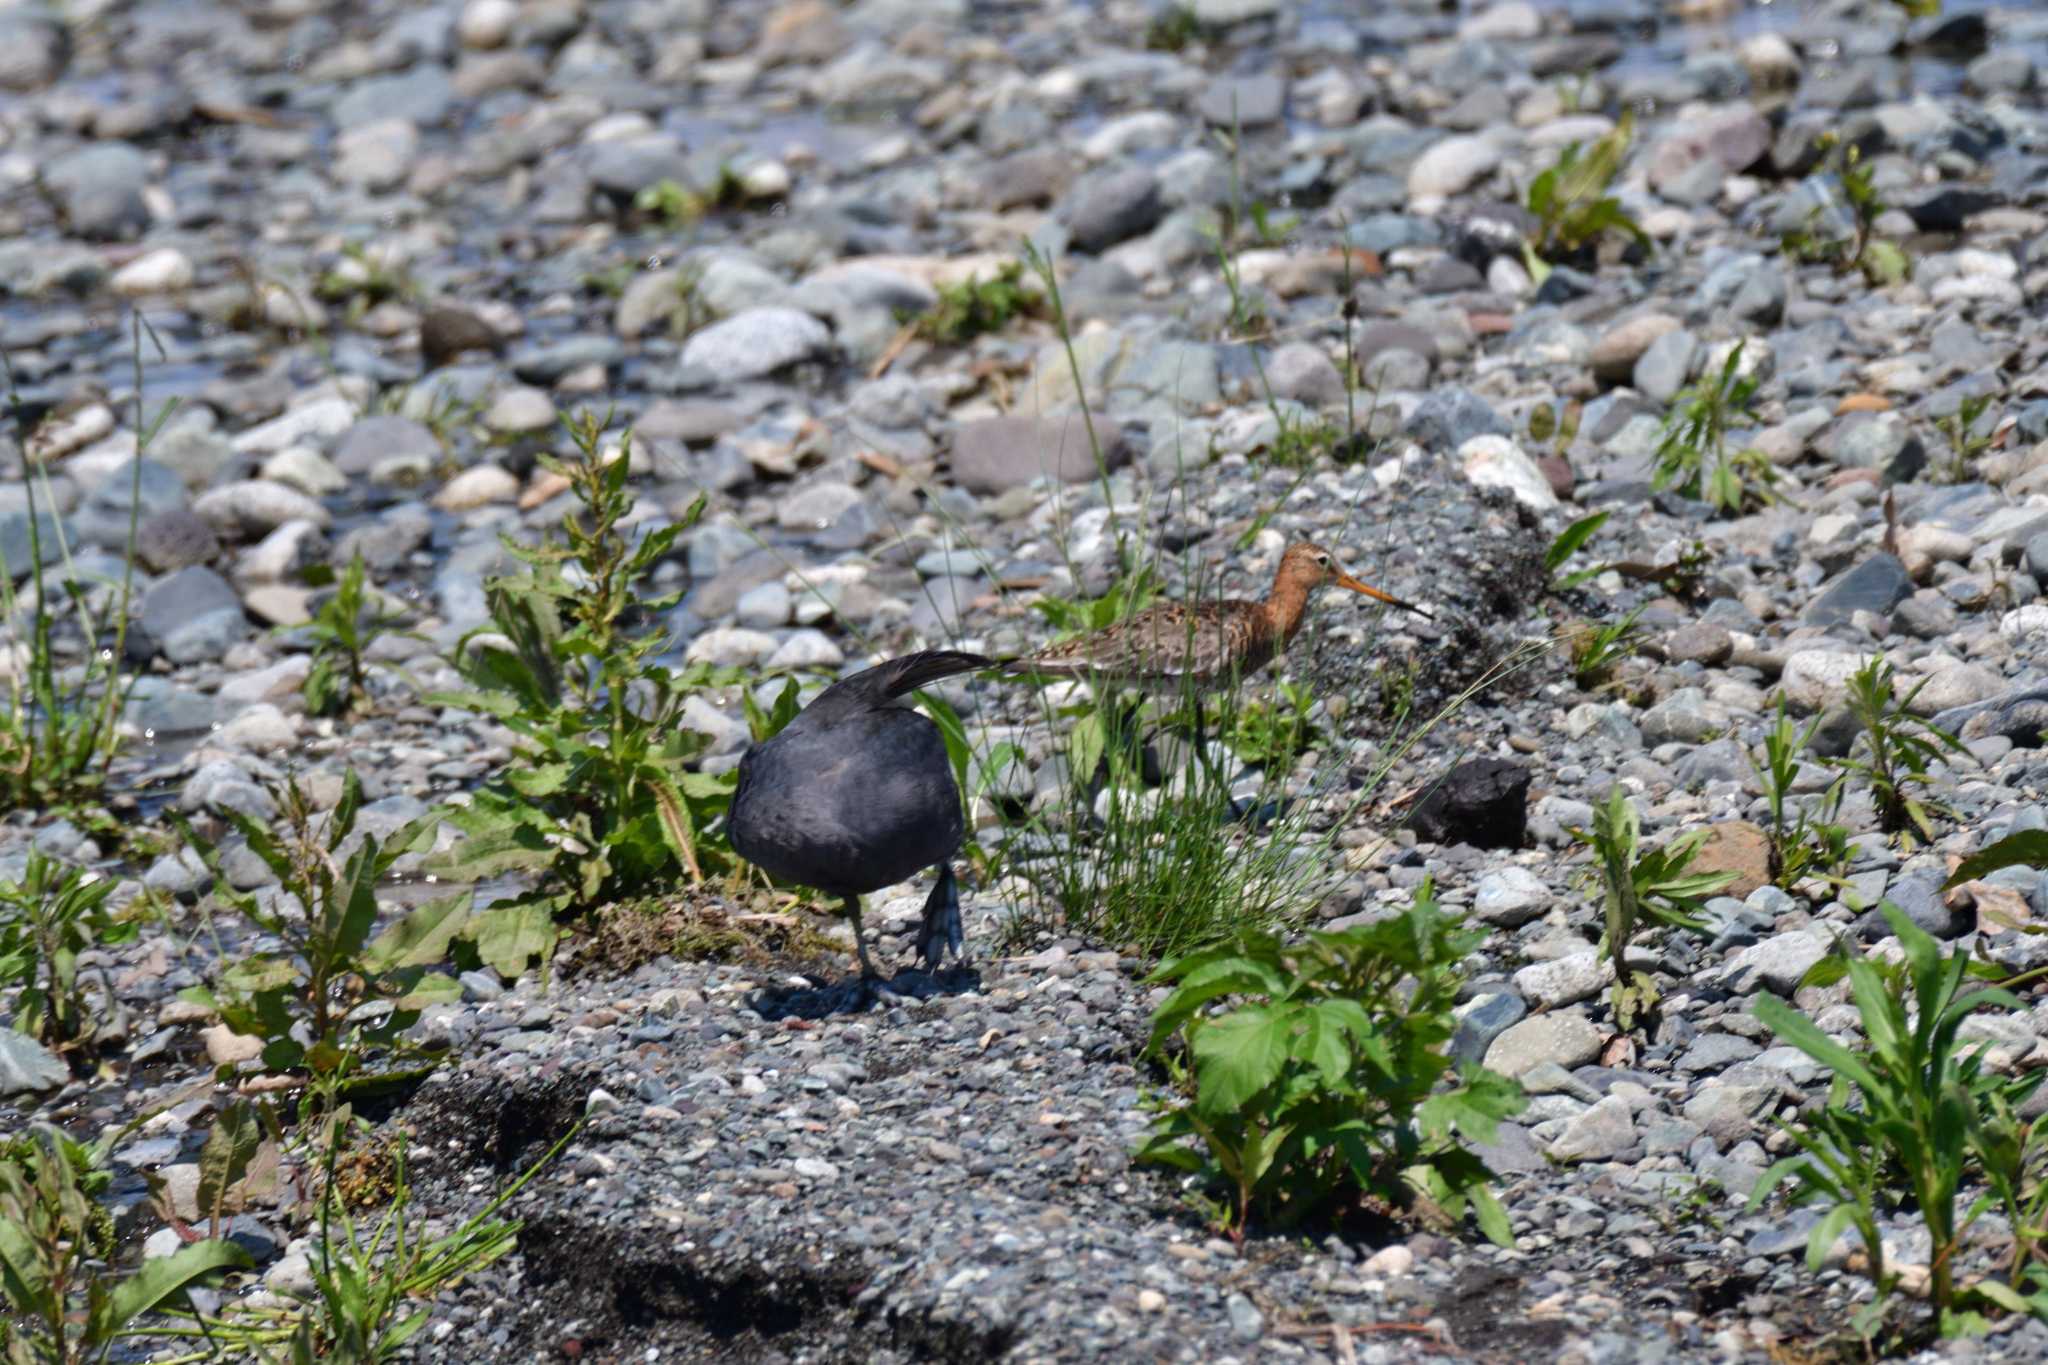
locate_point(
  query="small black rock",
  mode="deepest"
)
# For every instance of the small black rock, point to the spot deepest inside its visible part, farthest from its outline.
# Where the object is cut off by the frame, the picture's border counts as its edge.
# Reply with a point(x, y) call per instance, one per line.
point(1483, 802)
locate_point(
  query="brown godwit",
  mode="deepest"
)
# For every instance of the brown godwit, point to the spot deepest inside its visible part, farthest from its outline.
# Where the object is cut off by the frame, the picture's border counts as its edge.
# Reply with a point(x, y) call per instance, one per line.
point(857, 794)
point(1203, 645)
point(1193, 648)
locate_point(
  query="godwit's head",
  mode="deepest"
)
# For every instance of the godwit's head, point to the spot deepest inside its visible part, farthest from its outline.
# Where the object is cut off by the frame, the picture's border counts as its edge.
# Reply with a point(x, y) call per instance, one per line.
point(1307, 566)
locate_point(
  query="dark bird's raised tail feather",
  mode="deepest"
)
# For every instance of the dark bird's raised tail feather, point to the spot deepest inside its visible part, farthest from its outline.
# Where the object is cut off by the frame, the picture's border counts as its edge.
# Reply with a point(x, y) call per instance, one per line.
point(913, 671)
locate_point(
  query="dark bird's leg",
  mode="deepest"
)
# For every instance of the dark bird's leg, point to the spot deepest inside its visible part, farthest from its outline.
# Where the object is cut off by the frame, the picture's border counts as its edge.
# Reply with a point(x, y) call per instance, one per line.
point(1237, 809)
point(860, 943)
point(941, 929)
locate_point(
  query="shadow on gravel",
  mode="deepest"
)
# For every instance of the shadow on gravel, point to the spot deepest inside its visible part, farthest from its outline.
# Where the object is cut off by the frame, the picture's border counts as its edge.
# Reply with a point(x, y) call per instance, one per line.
point(489, 1122)
point(854, 995)
point(750, 1300)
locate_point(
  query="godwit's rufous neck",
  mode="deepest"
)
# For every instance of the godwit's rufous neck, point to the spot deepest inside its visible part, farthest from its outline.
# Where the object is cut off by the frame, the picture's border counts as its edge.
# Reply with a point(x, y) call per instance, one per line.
point(1287, 603)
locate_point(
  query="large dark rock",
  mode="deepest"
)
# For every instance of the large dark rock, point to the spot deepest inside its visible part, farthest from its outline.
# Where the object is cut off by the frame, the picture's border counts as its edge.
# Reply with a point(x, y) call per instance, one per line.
point(1876, 585)
point(176, 539)
point(1112, 205)
point(1483, 802)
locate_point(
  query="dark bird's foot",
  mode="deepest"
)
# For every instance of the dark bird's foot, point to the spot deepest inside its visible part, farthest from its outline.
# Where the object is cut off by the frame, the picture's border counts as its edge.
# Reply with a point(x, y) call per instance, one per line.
point(1256, 814)
point(941, 930)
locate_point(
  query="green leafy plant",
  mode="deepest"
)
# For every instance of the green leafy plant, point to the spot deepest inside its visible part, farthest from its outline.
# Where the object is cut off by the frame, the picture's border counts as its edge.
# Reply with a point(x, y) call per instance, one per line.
point(1161, 869)
point(371, 1282)
point(1272, 732)
point(1172, 29)
point(337, 988)
point(1881, 262)
point(344, 626)
point(1692, 457)
point(1894, 752)
point(364, 276)
point(1967, 441)
point(238, 1169)
point(1803, 844)
point(1325, 1082)
point(2028, 848)
point(65, 1305)
point(1568, 543)
point(59, 726)
point(1640, 887)
point(1597, 650)
point(1394, 686)
point(1570, 203)
point(674, 204)
point(603, 800)
point(1301, 440)
point(48, 919)
point(974, 307)
point(1915, 1116)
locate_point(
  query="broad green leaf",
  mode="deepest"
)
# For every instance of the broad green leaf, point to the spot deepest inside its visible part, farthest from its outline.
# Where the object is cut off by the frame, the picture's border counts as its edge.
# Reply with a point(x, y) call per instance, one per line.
point(421, 937)
point(513, 846)
point(230, 1146)
point(1572, 538)
point(2028, 848)
point(1884, 262)
point(1491, 1217)
point(767, 724)
point(253, 975)
point(433, 988)
point(1824, 1234)
point(157, 1281)
point(1796, 1029)
point(509, 937)
point(1237, 1056)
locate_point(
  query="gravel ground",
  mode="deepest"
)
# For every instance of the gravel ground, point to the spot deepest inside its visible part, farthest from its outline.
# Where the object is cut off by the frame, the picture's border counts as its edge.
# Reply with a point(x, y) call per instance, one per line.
point(383, 245)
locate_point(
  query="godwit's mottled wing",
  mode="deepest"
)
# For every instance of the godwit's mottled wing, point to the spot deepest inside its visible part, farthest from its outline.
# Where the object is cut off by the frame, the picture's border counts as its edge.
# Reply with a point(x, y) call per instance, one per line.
point(1161, 646)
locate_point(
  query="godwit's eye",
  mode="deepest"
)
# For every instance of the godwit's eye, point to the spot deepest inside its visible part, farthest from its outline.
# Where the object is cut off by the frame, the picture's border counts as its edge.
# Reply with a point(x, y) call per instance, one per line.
point(1322, 561)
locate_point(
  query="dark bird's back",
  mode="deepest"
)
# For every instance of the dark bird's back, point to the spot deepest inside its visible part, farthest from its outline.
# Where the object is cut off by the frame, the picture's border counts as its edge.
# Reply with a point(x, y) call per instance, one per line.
point(856, 793)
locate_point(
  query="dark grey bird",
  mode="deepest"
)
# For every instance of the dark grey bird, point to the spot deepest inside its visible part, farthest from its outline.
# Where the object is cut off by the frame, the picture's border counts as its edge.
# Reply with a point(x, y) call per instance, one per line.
point(857, 794)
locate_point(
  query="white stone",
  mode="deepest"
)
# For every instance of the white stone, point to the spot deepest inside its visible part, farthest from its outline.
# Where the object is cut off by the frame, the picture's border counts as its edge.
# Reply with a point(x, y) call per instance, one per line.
point(377, 156)
point(520, 409)
point(477, 486)
point(1452, 166)
point(763, 606)
point(730, 647)
point(60, 437)
point(766, 180)
point(255, 507)
point(2021, 622)
point(1815, 679)
point(1497, 462)
point(1510, 897)
point(807, 649)
point(1565, 980)
point(1515, 19)
point(261, 728)
point(1922, 547)
point(1778, 962)
point(305, 469)
point(486, 24)
point(323, 419)
point(161, 271)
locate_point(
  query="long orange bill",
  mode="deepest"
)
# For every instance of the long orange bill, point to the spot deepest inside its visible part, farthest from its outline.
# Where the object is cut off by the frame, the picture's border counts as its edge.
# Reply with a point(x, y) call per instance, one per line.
point(1345, 580)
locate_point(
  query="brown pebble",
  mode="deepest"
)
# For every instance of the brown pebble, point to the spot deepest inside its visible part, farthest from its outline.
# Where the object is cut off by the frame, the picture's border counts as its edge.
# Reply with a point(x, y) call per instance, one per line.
point(447, 331)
